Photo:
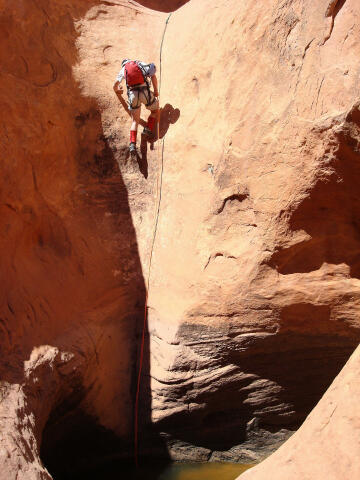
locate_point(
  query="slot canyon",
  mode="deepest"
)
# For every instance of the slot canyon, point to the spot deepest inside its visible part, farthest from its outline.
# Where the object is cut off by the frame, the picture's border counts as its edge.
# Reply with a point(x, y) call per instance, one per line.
point(247, 207)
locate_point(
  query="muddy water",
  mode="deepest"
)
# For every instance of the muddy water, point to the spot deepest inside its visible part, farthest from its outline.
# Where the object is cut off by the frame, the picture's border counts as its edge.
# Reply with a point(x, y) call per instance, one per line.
point(156, 471)
point(188, 471)
point(203, 471)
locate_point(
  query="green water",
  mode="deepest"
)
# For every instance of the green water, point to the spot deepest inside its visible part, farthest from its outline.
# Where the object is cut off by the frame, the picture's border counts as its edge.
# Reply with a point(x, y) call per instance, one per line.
point(203, 471)
point(158, 471)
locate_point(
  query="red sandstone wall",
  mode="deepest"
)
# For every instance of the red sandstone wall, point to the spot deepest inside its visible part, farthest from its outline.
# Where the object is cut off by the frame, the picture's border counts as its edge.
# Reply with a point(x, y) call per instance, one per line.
point(253, 305)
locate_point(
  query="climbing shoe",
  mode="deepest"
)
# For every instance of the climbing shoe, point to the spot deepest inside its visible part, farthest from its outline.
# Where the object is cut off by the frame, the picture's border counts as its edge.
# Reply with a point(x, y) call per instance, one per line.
point(132, 149)
point(149, 133)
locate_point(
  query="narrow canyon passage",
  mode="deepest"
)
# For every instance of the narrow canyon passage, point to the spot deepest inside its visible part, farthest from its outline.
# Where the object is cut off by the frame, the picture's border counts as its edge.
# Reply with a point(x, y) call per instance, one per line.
point(253, 305)
point(73, 289)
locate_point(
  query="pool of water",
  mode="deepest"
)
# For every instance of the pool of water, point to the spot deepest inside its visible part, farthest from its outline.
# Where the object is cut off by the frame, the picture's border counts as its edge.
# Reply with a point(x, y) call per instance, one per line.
point(187, 471)
point(157, 471)
point(203, 471)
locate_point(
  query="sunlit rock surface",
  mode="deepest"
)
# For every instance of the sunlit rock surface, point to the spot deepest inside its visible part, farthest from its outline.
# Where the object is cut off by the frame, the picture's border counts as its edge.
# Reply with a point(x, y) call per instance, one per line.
point(255, 281)
point(257, 246)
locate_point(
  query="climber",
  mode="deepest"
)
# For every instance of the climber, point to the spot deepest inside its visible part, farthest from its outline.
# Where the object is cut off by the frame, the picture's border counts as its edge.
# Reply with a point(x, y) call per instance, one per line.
point(136, 75)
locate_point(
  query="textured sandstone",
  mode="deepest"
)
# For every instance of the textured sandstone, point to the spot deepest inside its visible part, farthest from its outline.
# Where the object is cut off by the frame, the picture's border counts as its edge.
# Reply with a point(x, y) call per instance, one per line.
point(328, 444)
point(72, 291)
point(257, 245)
point(255, 282)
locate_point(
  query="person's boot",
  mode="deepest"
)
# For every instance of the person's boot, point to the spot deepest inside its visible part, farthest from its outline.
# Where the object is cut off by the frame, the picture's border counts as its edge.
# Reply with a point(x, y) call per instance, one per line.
point(132, 149)
point(132, 146)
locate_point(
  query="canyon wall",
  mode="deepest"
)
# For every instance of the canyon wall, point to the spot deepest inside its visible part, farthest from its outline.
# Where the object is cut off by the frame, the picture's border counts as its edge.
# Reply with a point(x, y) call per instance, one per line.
point(72, 296)
point(328, 443)
point(254, 288)
point(258, 240)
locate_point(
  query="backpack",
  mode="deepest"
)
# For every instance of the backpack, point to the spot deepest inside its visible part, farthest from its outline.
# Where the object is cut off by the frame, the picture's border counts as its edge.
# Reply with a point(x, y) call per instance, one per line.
point(134, 74)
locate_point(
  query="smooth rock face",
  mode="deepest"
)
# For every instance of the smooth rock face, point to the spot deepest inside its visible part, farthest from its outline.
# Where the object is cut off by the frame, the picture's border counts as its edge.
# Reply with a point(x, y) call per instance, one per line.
point(255, 281)
point(257, 245)
point(328, 443)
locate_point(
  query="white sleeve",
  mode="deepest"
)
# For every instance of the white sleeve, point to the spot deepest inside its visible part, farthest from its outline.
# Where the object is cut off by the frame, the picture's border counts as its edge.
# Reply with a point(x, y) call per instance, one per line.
point(149, 68)
point(121, 75)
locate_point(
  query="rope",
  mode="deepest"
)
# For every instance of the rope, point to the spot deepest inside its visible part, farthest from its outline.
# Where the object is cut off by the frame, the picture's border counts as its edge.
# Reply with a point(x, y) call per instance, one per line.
point(156, 221)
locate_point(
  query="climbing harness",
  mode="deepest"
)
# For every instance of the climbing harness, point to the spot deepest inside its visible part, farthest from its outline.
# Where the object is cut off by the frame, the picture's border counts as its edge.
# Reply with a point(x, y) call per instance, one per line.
point(156, 221)
point(150, 99)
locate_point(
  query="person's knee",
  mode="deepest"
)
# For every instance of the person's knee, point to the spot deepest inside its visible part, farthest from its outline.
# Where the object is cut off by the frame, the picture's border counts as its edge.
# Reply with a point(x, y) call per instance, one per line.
point(135, 115)
point(134, 123)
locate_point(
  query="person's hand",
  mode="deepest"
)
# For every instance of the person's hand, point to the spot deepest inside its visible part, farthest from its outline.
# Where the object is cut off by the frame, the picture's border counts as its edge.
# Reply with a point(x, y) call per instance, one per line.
point(118, 89)
point(156, 94)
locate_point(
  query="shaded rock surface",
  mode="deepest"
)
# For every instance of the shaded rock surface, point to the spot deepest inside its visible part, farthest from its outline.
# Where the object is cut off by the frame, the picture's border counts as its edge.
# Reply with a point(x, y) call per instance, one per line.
point(72, 296)
point(255, 281)
point(328, 443)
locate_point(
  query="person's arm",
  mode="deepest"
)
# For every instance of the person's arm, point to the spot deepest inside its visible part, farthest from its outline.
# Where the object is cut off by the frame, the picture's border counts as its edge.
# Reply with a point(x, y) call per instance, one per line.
point(118, 89)
point(155, 85)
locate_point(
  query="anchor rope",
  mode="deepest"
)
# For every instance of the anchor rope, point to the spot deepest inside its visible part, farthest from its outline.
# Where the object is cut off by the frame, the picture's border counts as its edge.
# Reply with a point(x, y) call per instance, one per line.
point(159, 181)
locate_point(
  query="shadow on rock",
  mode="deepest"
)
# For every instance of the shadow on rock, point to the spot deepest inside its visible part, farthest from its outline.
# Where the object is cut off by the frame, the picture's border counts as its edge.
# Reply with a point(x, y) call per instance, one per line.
point(330, 213)
point(168, 116)
point(73, 292)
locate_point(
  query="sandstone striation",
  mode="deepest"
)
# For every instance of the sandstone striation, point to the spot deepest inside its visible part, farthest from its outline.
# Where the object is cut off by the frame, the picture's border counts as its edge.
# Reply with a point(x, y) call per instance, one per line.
point(254, 294)
point(327, 445)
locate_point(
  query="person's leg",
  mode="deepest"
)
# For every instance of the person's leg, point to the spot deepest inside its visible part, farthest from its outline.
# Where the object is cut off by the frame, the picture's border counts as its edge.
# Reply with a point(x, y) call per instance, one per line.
point(151, 127)
point(134, 106)
point(152, 120)
point(135, 116)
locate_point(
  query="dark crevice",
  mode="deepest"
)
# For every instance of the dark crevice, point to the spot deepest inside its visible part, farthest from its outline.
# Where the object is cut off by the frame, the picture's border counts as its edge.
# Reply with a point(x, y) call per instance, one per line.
point(236, 196)
point(334, 8)
point(216, 255)
point(74, 446)
point(163, 5)
point(332, 11)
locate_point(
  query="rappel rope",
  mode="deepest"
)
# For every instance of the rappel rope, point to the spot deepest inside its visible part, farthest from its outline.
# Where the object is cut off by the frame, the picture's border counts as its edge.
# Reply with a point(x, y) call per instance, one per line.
point(147, 285)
